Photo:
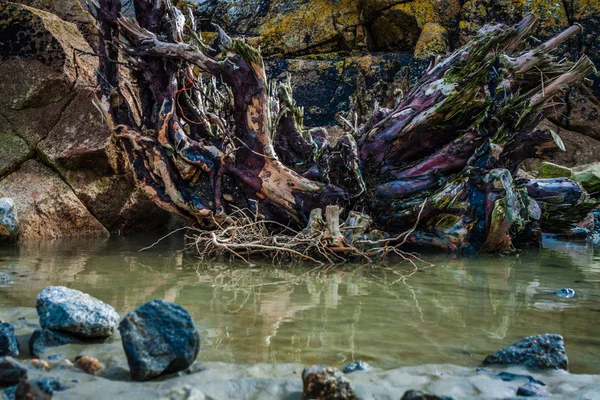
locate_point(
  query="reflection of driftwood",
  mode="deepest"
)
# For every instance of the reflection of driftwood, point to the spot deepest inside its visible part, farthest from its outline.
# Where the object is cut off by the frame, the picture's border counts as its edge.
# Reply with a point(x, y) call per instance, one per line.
point(212, 136)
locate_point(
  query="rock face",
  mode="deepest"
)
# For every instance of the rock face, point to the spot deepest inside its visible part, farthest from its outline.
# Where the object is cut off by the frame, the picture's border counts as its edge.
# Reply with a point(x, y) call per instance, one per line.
point(320, 382)
point(41, 339)
point(8, 341)
point(11, 371)
point(9, 223)
point(46, 205)
point(539, 352)
point(159, 337)
point(74, 312)
point(47, 114)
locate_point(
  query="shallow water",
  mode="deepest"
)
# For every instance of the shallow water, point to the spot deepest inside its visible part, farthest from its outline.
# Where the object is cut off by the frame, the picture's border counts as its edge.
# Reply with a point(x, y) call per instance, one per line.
point(388, 315)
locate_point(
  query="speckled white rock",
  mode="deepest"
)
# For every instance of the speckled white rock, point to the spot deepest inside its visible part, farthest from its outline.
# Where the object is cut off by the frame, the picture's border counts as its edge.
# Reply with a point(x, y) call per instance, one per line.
point(75, 312)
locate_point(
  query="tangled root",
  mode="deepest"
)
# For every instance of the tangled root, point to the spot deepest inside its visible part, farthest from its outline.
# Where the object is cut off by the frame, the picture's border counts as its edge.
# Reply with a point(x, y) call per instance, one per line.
point(247, 235)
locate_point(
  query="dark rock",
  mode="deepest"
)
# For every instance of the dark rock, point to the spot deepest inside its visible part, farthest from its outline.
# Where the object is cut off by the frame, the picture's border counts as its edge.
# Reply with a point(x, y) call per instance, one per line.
point(542, 352)
point(159, 337)
point(27, 390)
point(416, 395)
point(47, 386)
point(75, 312)
point(11, 371)
point(509, 377)
point(322, 382)
point(9, 223)
point(565, 293)
point(532, 390)
point(356, 366)
point(9, 346)
point(41, 339)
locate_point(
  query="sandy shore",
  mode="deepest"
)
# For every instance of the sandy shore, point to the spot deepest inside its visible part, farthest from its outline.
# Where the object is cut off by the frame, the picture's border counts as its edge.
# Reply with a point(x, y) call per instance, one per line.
point(211, 380)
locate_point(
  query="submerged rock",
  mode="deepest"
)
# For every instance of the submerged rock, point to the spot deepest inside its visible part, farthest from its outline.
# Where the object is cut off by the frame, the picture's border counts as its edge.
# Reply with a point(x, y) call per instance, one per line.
point(532, 390)
point(11, 371)
point(565, 293)
point(41, 339)
point(356, 366)
point(416, 395)
point(75, 312)
point(320, 382)
point(509, 377)
point(159, 337)
point(9, 346)
point(542, 352)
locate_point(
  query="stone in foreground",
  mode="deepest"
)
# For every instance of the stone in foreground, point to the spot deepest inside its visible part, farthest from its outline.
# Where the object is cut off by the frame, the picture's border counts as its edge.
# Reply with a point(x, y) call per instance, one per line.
point(11, 371)
point(417, 395)
point(9, 346)
point(320, 382)
point(75, 312)
point(540, 352)
point(159, 337)
point(41, 339)
point(30, 391)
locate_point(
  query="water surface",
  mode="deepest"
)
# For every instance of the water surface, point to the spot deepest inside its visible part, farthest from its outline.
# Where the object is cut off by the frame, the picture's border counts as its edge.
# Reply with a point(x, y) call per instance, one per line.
point(389, 315)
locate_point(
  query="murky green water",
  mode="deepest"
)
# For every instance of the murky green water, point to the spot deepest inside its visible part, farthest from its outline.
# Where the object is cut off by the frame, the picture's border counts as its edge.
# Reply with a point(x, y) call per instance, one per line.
point(388, 315)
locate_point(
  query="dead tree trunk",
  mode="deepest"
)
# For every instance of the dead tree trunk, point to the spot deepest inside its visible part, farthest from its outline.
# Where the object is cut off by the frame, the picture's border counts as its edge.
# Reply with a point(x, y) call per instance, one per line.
point(210, 135)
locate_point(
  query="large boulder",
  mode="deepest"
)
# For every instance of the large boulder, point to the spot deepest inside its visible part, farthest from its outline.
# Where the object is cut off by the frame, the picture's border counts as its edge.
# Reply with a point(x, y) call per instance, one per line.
point(11, 371)
point(48, 82)
point(46, 205)
point(9, 222)
point(539, 352)
point(75, 312)
point(159, 337)
point(9, 346)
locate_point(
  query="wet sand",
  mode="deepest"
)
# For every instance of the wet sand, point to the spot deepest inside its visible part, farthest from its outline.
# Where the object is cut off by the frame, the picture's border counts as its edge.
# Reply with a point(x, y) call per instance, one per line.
point(215, 380)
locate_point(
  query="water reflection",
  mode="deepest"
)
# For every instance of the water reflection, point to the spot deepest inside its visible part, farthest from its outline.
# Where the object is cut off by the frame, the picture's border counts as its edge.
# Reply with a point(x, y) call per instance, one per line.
point(388, 315)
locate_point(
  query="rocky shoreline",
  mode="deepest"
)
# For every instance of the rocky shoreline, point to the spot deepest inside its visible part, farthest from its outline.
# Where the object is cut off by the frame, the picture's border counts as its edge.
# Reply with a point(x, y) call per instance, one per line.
point(87, 367)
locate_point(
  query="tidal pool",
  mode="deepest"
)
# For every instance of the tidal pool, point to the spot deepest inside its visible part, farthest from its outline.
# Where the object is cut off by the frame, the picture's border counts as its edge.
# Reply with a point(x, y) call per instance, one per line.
point(455, 311)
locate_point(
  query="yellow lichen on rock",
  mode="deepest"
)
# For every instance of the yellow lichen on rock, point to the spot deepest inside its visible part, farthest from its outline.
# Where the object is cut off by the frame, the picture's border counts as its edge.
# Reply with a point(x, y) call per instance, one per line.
point(433, 41)
point(316, 24)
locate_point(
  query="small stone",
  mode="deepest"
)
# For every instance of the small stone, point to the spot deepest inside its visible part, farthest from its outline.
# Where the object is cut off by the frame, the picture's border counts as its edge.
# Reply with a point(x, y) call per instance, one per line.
point(417, 395)
point(542, 352)
point(9, 346)
point(75, 312)
point(532, 390)
point(27, 390)
point(11, 371)
point(90, 365)
point(159, 337)
point(322, 383)
point(356, 366)
point(40, 364)
point(41, 339)
point(565, 293)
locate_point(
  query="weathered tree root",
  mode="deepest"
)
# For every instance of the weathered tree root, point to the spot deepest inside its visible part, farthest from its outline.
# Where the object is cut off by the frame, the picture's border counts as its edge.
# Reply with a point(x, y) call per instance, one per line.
point(212, 137)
